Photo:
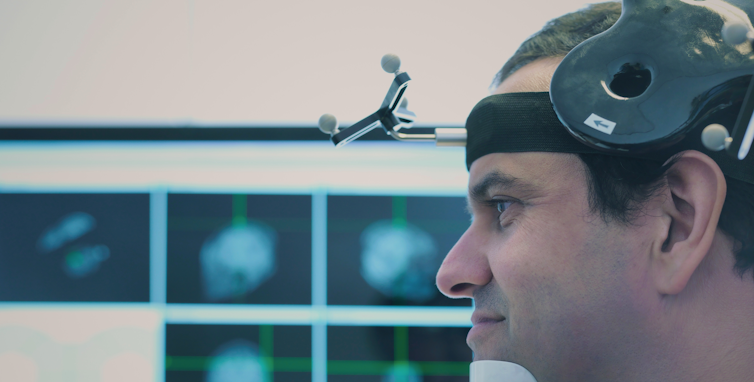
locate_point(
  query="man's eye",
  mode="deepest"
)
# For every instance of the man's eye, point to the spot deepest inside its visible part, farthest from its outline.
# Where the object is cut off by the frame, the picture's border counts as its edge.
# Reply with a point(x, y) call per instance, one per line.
point(502, 205)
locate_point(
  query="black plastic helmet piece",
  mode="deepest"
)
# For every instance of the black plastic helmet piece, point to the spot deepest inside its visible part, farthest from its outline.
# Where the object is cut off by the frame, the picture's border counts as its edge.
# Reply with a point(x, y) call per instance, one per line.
point(648, 86)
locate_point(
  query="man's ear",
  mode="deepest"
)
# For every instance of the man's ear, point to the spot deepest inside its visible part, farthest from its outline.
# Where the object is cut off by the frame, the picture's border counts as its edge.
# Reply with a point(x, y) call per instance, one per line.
point(694, 199)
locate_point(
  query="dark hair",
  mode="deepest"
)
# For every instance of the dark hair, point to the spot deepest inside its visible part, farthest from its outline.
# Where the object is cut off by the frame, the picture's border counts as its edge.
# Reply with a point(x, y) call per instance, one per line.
point(619, 187)
point(561, 35)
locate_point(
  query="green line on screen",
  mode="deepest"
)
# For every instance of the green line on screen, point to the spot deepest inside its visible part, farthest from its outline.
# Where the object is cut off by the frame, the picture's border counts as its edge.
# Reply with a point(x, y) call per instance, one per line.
point(186, 363)
point(358, 367)
point(400, 343)
point(400, 211)
point(290, 364)
point(266, 345)
point(239, 209)
point(296, 364)
point(287, 364)
point(444, 368)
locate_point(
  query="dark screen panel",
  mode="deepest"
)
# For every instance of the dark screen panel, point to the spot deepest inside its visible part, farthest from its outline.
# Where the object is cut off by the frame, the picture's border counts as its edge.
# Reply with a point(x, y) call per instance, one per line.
point(221, 353)
point(386, 250)
point(244, 249)
point(379, 353)
point(74, 247)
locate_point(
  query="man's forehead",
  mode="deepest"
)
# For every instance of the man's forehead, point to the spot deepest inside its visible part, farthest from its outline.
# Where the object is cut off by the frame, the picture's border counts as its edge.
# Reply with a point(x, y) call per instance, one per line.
point(533, 77)
point(538, 170)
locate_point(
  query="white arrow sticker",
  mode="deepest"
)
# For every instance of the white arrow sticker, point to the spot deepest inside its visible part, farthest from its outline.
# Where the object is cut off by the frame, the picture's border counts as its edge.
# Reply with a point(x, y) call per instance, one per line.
point(600, 124)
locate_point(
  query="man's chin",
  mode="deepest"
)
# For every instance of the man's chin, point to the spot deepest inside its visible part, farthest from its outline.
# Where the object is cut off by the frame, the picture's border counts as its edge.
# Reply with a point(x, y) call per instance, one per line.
point(487, 341)
point(493, 349)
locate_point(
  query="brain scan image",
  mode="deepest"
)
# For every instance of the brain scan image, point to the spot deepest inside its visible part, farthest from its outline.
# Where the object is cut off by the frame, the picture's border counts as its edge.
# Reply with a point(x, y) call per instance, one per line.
point(237, 360)
point(83, 261)
point(79, 260)
point(219, 352)
point(237, 259)
point(403, 373)
point(69, 228)
point(399, 260)
point(75, 247)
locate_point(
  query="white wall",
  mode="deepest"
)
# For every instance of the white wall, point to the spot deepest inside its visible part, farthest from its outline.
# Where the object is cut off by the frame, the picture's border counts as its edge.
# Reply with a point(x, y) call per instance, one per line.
point(224, 62)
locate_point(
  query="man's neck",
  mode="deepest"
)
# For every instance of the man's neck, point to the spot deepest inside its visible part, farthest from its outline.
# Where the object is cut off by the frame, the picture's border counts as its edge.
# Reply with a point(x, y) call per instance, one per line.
point(709, 327)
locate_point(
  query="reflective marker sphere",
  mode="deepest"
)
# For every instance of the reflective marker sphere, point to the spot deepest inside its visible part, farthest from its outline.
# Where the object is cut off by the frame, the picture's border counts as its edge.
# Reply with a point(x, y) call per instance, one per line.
point(735, 33)
point(391, 63)
point(714, 137)
point(328, 123)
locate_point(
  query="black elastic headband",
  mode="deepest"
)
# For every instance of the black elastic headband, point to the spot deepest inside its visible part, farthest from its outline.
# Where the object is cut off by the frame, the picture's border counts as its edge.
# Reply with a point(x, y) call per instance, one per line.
point(526, 122)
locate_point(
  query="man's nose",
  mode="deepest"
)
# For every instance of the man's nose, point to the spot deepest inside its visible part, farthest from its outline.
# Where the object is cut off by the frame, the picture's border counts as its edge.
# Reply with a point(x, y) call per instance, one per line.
point(465, 268)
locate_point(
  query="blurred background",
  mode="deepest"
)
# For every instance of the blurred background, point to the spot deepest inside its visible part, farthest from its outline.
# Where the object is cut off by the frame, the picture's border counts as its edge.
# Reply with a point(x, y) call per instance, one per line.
point(169, 211)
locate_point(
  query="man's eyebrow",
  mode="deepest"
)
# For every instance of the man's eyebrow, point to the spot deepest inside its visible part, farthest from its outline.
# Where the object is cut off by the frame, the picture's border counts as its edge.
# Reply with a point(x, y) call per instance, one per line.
point(496, 180)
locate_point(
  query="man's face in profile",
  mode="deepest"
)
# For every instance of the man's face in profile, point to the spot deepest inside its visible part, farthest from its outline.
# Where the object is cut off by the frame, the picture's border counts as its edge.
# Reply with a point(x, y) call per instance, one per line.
point(552, 282)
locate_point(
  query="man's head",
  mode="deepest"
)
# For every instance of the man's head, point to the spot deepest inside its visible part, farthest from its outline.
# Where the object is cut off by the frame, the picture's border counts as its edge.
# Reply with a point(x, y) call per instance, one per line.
point(592, 267)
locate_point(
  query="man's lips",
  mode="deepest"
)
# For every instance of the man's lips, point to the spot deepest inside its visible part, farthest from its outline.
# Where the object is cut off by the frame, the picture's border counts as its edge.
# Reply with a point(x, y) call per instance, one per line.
point(484, 325)
point(480, 317)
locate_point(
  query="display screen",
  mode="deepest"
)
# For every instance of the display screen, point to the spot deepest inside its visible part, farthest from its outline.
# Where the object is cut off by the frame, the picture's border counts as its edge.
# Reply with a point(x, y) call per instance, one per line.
point(219, 281)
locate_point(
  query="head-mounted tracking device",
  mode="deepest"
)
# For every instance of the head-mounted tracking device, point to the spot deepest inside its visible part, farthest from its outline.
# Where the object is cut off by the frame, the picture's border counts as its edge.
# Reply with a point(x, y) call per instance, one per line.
point(392, 116)
point(669, 76)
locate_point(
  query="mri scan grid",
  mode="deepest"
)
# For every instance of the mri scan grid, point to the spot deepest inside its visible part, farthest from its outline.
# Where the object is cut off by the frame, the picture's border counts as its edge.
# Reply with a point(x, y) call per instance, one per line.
point(242, 284)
